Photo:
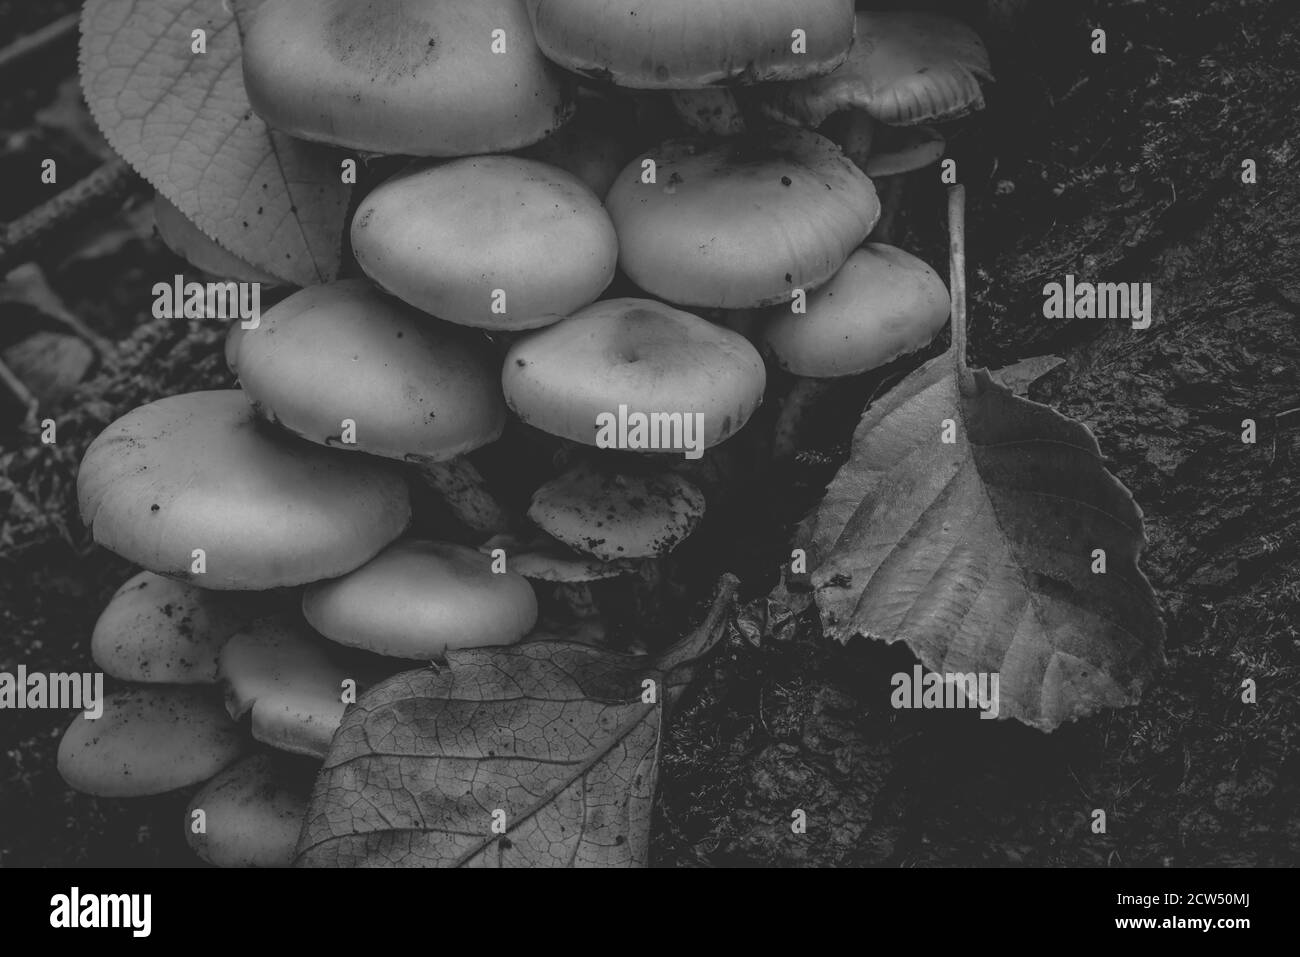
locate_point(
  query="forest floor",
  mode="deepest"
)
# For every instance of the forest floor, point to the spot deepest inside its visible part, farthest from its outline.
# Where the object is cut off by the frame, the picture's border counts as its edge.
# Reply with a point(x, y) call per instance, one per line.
point(1124, 166)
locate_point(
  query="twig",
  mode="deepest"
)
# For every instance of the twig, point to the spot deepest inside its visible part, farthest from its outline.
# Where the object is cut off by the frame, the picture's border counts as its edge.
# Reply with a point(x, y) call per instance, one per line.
point(34, 291)
point(108, 186)
point(957, 280)
point(15, 387)
point(64, 28)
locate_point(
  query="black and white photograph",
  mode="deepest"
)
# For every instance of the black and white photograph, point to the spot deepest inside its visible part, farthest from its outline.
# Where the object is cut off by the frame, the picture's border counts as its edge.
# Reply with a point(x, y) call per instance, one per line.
point(651, 434)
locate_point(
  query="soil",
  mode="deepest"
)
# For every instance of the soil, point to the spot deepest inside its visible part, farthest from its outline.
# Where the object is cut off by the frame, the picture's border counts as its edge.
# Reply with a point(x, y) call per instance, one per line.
point(1124, 166)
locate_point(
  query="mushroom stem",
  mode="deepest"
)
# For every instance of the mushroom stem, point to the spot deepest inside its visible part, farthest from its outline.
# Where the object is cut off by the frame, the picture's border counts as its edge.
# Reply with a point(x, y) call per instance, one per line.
point(713, 112)
point(856, 137)
point(891, 190)
point(578, 599)
point(797, 408)
point(462, 487)
point(647, 589)
point(744, 321)
point(957, 278)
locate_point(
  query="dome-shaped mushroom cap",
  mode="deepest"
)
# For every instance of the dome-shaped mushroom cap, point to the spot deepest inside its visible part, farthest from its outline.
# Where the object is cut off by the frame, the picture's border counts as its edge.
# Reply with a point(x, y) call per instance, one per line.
point(291, 680)
point(740, 223)
point(416, 388)
point(656, 360)
point(198, 249)
point(905, 68)
point(150, 739)
point(411, 77)
point(497, 242)
point(252, 812)
point(159, 631)
point(614, 516)
point(418, 599)
point(197, 471)
point(883, 304)
point(689, 44)
point(546, 560)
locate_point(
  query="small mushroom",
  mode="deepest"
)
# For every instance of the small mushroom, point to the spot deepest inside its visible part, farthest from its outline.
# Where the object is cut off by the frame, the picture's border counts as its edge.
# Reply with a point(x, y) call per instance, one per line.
point(641, 355)
point(496, 242)
point(906, 68)
point(291, 682)
point(543, 559)
point(591, 632)
point(742, 222)
point(150, 739)
point(252, 812)
point(569, 576)
point(883, 304)
point(344, 365)
point(159, 631)
point(689, 45)
point(899, 150)
point(409, 77)
point(616, 516)
point(201, 251)
point(418, 599)
point(896, 152)
point(192, 487)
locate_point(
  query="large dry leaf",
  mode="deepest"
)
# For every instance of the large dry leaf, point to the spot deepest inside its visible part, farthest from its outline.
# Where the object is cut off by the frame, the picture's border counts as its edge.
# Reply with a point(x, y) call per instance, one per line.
point(183, 121)
point(551, 740)
point(979, 554)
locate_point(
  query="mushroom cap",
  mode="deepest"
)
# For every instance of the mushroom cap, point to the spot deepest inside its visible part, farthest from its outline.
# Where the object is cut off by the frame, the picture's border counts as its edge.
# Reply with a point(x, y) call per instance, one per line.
point(418, 599)
point(198, 249)
point(883, 304)
point(902, 149)
point(150, 739)
point(546, 560)
point(743, 222)
point(291, 680)
point(447, 238)
point(234, 336)
point(614, 516)
point(905, 68)
point(159, 631)
point(411, 77)
point(197, 471)
point(686, 44)
point(593, 632)
point(253, 811)
point(416, 388)
point(635, 352)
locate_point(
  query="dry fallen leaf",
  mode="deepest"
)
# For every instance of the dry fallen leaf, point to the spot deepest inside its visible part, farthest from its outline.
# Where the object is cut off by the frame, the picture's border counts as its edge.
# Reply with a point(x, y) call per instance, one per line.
point(979, 553)
point(552, 742)
point(183, 121)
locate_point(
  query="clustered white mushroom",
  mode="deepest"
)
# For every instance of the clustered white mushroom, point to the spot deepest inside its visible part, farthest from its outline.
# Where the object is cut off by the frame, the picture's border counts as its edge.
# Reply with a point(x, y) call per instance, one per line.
point(273, 521)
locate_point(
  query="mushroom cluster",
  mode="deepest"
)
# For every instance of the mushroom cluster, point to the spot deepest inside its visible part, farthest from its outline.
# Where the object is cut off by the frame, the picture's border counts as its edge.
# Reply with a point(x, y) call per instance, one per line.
point(612, 221)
